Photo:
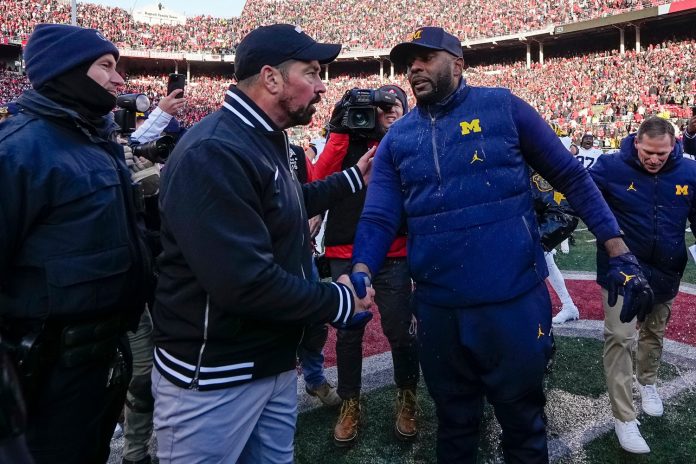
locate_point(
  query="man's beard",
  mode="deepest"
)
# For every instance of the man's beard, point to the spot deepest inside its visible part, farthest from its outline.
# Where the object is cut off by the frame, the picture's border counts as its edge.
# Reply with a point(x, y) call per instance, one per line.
point(299, 116)
point(442, 87)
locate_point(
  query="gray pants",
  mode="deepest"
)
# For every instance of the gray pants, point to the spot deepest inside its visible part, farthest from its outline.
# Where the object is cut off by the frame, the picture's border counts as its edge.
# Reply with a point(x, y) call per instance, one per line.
point(137, 429)
point(252, 423)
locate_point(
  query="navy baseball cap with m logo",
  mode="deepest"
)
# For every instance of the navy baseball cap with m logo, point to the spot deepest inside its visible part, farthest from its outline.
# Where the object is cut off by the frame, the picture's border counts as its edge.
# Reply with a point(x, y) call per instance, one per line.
point(432, 38)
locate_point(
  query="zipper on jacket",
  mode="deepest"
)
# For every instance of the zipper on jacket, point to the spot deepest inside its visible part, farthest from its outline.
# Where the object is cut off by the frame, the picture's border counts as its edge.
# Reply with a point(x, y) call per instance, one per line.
point(435, 155)
point(196, 374)
point(297, 195)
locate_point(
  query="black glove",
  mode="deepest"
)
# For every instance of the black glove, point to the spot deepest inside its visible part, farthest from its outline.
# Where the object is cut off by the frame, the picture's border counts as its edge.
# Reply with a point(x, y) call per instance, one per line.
point(338, 115)
point(626, 278)
point(360, 281)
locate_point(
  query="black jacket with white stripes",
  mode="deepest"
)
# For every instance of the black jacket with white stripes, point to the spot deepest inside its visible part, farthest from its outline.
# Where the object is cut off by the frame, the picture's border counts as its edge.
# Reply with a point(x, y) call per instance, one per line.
point(233, 295)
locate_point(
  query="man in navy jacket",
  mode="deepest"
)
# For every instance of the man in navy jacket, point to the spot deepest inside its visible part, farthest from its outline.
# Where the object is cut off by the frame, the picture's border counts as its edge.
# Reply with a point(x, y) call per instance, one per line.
point(234, 295)
point(73, 263)
point(457, 166)
point(650, 188)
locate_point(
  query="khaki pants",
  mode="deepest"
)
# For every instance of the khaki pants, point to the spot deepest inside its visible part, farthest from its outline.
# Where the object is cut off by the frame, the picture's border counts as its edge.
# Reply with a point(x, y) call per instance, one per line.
point(619, 339)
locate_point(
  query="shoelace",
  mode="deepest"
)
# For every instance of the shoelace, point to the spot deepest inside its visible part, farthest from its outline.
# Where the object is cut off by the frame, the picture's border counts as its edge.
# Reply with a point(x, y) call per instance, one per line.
point(651, 393)
point(347, 408)
point(632, 429)
point(409, 401)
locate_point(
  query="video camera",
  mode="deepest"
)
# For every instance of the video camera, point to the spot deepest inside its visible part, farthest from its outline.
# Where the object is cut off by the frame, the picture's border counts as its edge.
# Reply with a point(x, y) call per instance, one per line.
point(156, 151)
point(362, 104)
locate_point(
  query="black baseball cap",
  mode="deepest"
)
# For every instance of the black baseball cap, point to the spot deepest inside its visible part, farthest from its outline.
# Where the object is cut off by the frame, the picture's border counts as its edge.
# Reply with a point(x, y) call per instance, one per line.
point(433, 38)
point(272, 45)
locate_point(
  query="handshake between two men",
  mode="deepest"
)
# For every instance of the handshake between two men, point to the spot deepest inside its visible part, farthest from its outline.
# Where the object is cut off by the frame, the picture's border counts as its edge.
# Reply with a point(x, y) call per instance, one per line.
point(359, 283)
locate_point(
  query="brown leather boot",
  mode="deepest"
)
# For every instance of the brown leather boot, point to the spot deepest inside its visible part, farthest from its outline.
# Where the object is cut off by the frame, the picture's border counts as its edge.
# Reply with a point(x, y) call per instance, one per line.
point(346, 429)
point(406, 426)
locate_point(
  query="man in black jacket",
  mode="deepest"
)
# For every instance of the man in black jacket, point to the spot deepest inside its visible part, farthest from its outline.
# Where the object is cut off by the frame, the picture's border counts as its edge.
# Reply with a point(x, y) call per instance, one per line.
point(234, 293)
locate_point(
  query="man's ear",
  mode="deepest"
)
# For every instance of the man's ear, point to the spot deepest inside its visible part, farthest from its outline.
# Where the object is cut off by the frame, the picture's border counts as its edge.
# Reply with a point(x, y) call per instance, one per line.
point(271, 79)
point(458, 66)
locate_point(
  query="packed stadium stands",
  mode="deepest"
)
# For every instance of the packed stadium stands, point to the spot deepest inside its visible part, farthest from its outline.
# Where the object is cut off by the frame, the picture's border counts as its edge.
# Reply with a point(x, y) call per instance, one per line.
point(596, 92)
point(604, 92)
point(355, 23)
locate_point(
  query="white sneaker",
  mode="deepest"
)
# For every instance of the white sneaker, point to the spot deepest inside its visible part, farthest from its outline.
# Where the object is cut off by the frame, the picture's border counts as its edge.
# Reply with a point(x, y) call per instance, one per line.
point(629, 437)
point(118, 432)
point(652, 404)
point(565, 248)
point(567, 313)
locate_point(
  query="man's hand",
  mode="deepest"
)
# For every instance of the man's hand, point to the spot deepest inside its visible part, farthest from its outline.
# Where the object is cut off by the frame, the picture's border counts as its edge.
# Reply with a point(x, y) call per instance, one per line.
point(315, 225)
point(361, 315)
point(691, 126)
point(626, 278)
point(338, 115)
point(135, 163)
point(170, 104)
point(364, 164)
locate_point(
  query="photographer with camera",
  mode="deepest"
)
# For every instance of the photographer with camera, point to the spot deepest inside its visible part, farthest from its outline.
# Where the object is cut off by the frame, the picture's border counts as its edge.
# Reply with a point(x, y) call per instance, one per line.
point(160, 118)
point(74, 270)
point(143, 160)
point(358, 122)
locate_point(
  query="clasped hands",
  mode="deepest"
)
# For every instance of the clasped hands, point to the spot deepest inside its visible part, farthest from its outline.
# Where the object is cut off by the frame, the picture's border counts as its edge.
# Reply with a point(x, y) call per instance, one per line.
point(363, 297)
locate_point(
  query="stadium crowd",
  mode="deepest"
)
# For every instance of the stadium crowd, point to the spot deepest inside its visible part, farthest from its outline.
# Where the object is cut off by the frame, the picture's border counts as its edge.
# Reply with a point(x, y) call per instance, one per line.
point(11, 85)
point(386, 21)
point(604, 93)
point(199, 34)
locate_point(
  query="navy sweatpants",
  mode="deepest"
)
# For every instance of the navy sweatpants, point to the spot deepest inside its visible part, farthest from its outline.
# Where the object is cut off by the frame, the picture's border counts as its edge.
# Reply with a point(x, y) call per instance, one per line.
point(500, 351)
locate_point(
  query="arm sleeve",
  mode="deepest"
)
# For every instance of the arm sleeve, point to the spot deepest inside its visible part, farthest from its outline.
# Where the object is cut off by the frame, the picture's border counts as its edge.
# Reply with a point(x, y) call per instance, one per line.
point(544, 152)
point(322, 194)
point(332, 157)
point(381, 215)
point(152, 127)
point(230, 250)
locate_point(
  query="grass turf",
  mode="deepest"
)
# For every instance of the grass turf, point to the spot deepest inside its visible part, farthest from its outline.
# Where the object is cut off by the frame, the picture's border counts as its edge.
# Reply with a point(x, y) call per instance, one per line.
point(577, 370)
point(672, 438)
point(582, 256)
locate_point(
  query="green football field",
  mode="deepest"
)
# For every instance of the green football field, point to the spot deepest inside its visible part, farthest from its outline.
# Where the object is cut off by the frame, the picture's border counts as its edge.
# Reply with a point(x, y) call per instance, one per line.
point(580, 422)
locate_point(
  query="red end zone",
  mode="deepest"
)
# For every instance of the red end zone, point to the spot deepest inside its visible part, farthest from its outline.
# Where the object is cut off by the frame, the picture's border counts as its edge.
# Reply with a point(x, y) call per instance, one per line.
point(586, 295)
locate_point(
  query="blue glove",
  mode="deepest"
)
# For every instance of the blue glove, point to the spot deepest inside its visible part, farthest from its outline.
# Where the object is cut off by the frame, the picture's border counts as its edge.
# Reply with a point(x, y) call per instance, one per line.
point(626, 278)
point(360, 281)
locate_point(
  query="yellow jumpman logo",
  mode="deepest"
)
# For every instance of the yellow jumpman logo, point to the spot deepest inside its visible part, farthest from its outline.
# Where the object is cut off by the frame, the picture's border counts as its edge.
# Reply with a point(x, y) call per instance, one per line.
point(627, 278)
point(540, 333)
point(631, 187)
point(475, 158)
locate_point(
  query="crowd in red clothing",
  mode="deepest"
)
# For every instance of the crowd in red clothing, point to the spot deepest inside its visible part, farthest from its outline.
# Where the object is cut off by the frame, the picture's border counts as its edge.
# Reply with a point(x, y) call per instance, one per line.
point(11, 85)
point(199, 34)
point(358, 24)
point(378, 24)
point(606, 93)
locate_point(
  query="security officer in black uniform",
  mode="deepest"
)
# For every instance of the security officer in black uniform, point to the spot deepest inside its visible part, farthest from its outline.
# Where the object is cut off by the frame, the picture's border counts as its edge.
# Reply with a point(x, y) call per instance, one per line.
point(73, 265)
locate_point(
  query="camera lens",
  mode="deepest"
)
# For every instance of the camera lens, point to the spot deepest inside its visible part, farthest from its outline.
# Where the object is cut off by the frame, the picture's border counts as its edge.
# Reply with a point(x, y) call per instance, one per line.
point(360, 119)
